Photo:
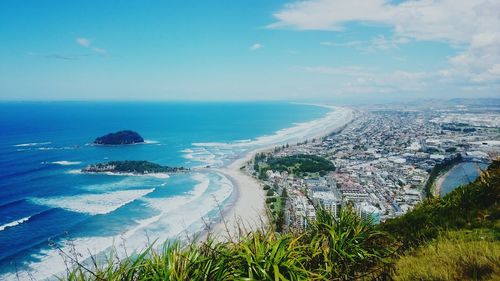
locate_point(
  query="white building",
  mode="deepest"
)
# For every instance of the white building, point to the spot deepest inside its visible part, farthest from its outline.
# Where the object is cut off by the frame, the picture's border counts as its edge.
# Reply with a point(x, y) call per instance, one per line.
point(367, 210)
point(330, 200)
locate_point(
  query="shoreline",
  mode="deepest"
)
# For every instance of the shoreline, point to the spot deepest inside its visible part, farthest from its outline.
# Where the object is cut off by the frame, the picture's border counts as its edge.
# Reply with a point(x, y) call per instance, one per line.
point(441, 177)
point(247, 210)
point(438, 183)
point(122, 174)
point(436, 187)
point(246, 202)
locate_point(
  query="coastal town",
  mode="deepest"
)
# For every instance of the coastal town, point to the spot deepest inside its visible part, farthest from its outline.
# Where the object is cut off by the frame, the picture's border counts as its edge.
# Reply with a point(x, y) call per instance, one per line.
point(386, 161)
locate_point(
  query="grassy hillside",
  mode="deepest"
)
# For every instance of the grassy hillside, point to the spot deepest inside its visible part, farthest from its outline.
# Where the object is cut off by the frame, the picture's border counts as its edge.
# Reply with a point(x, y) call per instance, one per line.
point(453, 238)
point(475, 205)
point(454, 255)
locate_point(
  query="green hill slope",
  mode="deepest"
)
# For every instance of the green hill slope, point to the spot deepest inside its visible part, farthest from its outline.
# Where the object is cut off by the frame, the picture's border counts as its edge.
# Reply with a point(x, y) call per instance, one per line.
point(452, 238)
point(475, 205)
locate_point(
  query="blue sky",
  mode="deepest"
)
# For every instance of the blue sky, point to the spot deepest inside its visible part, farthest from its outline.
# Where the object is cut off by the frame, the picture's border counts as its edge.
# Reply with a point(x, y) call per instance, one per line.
point(319, 50)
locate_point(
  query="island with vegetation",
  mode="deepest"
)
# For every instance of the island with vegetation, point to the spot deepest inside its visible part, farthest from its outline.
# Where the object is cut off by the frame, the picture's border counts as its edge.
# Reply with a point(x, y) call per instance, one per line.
point(119, 138)
point(132, 167)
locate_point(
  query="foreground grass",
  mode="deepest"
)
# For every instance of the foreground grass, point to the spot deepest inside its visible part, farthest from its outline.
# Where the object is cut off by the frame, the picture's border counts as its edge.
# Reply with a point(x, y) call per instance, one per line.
point(458, 255)
point(332, 249)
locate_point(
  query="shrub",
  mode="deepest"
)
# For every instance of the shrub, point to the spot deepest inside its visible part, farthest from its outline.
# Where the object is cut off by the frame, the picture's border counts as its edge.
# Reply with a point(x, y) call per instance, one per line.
point(330, 249)
point(270, 200)
point(348, 247)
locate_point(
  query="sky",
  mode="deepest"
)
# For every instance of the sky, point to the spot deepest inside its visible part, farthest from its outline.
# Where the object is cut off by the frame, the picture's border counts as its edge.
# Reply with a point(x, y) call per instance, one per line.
point(317, 50)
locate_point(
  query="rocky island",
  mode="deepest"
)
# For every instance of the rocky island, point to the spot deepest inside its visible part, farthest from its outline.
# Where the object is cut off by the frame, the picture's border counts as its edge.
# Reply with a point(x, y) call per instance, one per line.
point(133, 168)
point(119, 138)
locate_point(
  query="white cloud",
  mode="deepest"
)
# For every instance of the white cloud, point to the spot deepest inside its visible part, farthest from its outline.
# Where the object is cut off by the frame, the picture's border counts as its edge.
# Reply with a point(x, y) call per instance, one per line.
point(378, 43)
point(98, 50)
point(83, 42)
point(474, 24)
point(382, 43)
point(255, 46)
point(362, 80)
point(355, 71)
point(342, 44)
point(480, 62)
point(328, 14)
point(450, 20)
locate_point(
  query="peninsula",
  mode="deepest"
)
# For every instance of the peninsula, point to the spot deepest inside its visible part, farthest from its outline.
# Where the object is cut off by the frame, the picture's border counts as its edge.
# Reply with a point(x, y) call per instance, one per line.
point(132, 167)
point(119, 138)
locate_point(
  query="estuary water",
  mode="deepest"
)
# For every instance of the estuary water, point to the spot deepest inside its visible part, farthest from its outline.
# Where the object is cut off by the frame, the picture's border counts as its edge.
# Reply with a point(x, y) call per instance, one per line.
point(460, 174)
point(48, 206)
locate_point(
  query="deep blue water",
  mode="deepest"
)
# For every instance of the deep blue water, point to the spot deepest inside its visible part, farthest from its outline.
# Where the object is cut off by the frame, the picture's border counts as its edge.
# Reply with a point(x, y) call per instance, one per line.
point(460, 174)
point(44, 199)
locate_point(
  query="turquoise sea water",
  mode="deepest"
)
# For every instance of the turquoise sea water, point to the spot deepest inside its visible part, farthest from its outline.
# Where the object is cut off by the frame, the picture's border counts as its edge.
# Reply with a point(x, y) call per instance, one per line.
point(45, 203)
point(460, 174)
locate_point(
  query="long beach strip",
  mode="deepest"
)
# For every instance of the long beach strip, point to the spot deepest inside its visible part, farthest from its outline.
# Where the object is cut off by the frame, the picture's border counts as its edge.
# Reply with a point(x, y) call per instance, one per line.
point(247, 211)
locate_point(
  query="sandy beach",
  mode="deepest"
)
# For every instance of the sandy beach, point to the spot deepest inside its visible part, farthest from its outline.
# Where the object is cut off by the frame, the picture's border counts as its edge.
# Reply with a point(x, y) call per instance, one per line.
point(438, 183)
point(436, 188)
point(247, 210)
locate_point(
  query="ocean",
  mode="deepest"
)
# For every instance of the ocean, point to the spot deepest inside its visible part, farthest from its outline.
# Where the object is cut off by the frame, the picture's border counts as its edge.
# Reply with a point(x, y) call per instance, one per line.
point(48, 207)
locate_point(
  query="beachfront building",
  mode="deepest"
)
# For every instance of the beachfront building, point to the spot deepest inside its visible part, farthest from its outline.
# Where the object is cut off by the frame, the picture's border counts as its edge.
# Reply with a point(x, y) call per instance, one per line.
point(330, 200)
point(299, 212)
point(367, 210)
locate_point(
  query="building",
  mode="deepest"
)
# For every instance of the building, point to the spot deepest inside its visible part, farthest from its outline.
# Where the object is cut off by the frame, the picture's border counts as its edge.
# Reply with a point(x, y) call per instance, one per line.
point(330, 200)
point(367, 210)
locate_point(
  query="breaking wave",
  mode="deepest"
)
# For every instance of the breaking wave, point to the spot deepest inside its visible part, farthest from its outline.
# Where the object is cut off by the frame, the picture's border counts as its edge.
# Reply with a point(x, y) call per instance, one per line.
point(66, 163)
point(14, 223)
point(94, 204)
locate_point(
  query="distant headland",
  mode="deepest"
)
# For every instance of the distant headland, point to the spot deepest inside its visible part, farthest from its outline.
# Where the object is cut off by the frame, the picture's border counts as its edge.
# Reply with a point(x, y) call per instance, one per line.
point(132, 167)
point(119, 138)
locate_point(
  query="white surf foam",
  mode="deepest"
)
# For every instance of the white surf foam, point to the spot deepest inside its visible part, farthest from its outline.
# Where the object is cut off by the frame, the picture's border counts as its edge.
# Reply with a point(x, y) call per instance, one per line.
point(46, 148)
point(151, 175)
point(187, 214)
point(299, 132)
point(74, 171)
point(94, 204)
point(122, 184)
point(224, 152)
point(66, 163)
point(179, 220)
point(170, 223)
point(166, 205)
point(203, 156)
point(32, 144)
point(14, 223)
point(51, 263)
